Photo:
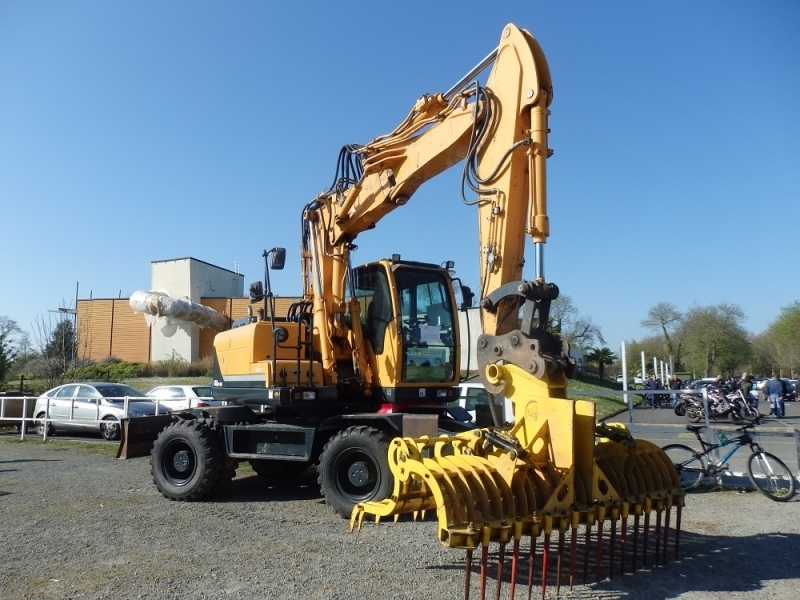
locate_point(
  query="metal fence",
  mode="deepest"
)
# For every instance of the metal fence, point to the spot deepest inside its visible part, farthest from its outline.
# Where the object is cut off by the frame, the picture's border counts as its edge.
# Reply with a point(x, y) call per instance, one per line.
point(26, 417)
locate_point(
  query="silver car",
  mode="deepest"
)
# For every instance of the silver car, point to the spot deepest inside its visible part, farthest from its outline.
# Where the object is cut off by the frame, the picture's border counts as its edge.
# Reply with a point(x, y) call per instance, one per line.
point(92, 406)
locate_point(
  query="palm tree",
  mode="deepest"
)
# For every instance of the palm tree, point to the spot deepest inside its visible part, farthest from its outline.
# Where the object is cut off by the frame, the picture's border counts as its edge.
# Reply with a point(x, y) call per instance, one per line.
point(602, 357)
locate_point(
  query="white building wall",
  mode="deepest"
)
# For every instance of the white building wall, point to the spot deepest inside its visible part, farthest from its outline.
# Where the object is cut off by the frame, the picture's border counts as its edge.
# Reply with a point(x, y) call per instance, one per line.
point(195, 279)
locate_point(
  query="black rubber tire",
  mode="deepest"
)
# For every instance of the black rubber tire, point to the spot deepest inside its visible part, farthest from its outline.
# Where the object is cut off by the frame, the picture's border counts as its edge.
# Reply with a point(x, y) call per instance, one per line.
point(226, 475)
point(750, 413)
point(40, 426)
point(110, 429)
point(680, 409)
point(354, 467)
point(278, 469)
point(187, 461)
point(772, 477)
point(694, 415)
point(735, 417)
point(689, 464)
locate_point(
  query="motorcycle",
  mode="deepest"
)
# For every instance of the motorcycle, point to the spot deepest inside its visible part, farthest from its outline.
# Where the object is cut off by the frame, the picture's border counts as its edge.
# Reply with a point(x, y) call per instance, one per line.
point(730, 406)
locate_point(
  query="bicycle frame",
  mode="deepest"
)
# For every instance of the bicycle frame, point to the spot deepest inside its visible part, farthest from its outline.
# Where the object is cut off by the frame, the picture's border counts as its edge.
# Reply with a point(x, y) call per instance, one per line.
point(744, 439)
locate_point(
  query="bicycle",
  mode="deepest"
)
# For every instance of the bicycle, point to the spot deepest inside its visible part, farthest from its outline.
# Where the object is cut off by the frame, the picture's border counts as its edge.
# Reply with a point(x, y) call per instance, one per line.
point(768, 474)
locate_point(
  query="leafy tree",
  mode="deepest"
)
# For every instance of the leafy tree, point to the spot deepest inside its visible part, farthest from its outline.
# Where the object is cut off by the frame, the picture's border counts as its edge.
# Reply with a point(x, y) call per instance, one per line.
point(779, 345)
point(7, 351)
point(715, 340)
point(601, 357)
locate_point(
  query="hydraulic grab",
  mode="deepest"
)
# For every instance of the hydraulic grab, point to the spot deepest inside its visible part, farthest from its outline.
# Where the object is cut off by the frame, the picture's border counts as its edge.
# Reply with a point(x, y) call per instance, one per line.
point(555, 470)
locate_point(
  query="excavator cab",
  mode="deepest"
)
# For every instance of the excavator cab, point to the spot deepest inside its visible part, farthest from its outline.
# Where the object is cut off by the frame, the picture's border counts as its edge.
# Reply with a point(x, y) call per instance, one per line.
point(407, 316)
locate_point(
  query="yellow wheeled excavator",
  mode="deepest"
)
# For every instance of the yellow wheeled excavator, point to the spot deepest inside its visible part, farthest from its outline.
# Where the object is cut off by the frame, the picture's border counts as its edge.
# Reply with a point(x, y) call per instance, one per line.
point(359, 377)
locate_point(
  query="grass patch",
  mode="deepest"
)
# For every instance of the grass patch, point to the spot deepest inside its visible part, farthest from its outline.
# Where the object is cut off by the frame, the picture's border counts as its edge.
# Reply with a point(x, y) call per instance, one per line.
point(101, 448)
point(596, 391)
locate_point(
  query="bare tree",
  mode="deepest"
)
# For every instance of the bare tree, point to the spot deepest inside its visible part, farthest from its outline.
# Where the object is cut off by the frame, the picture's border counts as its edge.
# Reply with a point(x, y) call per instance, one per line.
point(566, 321)
point(55, 340)
point(666, 319)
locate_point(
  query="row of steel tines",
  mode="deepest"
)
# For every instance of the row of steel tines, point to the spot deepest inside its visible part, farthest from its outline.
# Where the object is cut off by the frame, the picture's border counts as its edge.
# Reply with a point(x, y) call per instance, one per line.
point(571, 536)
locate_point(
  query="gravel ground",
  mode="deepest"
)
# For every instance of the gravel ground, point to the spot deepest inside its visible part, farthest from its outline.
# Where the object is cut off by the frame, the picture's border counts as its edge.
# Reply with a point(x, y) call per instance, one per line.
point(77, 524)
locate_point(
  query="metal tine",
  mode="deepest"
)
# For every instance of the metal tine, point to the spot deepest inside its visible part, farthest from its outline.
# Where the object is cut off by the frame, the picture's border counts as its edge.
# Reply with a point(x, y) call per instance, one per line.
point(644, 538)
point(586, 542)
point(666, 532)
point(635, 539)
point(560, 560)
point(545, 562)
point(467, 574)
point(532, 562)
point(501, 558)
point(514, 567)
point(484, 562)
point(599, 557)
point(658, 535)
point(623, 544)
point(612, 544)
point(677, 529)
point(573, 547)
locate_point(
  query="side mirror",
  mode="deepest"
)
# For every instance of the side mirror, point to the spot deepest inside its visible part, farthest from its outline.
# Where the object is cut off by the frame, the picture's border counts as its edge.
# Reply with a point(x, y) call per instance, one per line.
point(468, 295)
point(278, 259)
point(256, 292)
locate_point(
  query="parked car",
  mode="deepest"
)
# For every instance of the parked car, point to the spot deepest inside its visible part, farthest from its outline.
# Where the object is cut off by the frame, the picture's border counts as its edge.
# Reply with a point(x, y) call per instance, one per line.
point(90, 406)
point(473, 395)
point(180, 397)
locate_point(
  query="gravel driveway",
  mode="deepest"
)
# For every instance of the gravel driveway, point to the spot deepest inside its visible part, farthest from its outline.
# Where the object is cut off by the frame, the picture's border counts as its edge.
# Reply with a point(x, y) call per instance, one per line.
point(77, 524)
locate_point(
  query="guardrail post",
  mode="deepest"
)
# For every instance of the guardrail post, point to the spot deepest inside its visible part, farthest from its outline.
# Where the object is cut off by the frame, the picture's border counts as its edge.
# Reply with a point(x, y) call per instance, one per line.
point(24, 427)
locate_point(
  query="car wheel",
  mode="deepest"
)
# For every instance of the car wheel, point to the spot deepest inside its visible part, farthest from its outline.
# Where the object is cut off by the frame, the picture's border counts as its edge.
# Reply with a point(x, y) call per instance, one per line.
point(110, 429)
point(40, 427)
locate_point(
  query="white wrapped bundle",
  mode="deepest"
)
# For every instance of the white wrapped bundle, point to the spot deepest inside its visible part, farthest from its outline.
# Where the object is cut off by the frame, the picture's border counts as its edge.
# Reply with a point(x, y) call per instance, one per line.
point(158, 304)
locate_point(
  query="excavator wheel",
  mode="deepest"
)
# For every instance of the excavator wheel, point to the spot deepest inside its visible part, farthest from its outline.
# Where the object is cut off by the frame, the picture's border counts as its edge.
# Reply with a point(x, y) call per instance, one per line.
point(354, 468)
point(278, 469)
point(188, 461)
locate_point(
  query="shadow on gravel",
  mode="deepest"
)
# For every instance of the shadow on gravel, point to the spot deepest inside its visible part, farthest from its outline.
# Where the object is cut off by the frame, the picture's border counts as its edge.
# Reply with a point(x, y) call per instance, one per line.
point(258, 489)
point(24, 460)
point(706, 563)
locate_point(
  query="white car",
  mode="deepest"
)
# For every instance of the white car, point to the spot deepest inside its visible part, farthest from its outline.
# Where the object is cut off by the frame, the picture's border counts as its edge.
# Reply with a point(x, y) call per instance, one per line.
point(180, 397)
point(473, 394)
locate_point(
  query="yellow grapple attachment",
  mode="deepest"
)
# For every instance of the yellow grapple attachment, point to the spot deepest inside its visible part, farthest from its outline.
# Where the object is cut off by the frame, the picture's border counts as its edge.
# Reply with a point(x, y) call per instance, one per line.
point(554, 470)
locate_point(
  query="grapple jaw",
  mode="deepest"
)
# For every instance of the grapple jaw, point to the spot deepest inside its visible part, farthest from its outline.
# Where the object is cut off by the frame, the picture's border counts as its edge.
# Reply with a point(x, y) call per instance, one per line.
point(547, 474)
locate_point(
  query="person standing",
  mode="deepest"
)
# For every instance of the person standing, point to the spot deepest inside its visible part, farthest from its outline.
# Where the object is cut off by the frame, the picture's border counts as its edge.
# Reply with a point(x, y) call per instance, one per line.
point(774, 390)
point(655, 399)
point(745, 385)
point(674, 384)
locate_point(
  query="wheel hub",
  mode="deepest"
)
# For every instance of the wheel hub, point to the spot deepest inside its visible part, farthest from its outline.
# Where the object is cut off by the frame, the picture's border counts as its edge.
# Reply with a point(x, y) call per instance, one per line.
point(358, 474)
point(181, 461)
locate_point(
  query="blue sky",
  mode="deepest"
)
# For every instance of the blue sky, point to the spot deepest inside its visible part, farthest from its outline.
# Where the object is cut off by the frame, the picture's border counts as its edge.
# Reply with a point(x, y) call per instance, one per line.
point(139, 131)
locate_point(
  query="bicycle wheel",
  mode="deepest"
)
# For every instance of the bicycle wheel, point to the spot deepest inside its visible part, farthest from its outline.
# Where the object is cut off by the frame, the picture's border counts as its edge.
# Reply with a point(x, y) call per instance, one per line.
point(770, 476)
point(689, 464)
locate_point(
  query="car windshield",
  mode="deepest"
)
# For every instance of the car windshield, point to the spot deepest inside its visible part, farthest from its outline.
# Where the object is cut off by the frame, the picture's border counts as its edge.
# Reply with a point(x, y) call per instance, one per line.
point(117, 391)
point(202, 391)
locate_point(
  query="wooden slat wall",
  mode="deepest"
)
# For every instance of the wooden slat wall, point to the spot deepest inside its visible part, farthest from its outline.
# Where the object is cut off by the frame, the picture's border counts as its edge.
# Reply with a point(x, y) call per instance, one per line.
point(109, 327)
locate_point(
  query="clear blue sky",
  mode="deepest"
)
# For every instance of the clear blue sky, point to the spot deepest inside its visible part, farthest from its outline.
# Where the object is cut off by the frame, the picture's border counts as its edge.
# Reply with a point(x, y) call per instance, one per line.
point(140, 131)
